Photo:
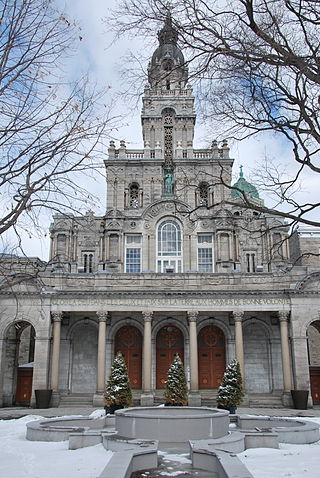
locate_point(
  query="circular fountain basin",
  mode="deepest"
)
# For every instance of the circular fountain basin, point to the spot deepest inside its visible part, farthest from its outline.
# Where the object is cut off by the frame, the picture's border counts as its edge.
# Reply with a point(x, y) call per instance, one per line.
point(172, 424)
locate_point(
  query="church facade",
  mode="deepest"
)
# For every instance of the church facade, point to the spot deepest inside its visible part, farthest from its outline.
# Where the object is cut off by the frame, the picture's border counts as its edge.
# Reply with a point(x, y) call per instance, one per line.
point(177, 264)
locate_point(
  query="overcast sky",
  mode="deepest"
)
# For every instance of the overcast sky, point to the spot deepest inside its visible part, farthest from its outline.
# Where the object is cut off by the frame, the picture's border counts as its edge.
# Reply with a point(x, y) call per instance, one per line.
point(103, 58)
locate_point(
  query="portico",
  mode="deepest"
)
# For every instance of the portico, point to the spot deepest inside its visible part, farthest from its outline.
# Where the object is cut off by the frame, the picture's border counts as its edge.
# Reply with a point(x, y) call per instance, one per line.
point(207, 332)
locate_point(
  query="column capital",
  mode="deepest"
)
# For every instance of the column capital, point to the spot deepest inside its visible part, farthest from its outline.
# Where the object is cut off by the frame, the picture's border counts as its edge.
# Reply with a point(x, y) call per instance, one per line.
point(238, 315)
point(56, 316)
point(102, 315)
point(192, 315)
point(283, 316)
point(147, 315)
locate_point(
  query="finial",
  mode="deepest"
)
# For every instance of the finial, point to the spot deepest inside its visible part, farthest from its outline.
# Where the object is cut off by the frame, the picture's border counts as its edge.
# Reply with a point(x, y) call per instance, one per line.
point(168, 34)
point(241, 172)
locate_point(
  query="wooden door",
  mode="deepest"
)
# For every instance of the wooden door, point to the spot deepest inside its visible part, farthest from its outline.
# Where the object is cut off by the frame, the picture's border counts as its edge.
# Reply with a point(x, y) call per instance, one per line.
point(128, 341)
point(24, 386)
point(169, 343)
point(211, 356)
point(315, 384)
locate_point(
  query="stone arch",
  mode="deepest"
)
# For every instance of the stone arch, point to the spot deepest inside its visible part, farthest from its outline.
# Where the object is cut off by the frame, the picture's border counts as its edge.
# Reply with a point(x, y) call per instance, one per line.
point(169, 320)
point(219, 323)
point(113, 329)
point(313, 341)
point(77, 323)
point(257, 356)
point(18, 361)
point(6, 324)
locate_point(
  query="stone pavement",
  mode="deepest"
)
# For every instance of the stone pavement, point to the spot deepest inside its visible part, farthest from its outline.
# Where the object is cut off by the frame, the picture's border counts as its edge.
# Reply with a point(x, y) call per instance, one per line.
point(18, 412)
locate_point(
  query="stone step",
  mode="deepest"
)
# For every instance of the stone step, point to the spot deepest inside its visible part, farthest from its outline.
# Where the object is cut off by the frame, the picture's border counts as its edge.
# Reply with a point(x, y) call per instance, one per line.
point(76, 400)
point(207, 402)
point(85, 399)
point(263, 401)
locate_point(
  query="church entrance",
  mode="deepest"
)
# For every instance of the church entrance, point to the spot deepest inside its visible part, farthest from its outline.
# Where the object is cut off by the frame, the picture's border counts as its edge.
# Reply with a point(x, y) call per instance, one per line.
point(315, 384)
point(18, 357)
point(313, 334)
point(128, 341)
point(212, 356)
point(24, 385)
point(169, 343)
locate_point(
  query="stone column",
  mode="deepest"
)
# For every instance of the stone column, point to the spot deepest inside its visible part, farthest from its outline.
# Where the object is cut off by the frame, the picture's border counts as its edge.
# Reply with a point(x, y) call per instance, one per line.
point(55, 358)
point(238, 317)
point(285, 353)
point(147, 395)
point(194, 398)
point(101, 361)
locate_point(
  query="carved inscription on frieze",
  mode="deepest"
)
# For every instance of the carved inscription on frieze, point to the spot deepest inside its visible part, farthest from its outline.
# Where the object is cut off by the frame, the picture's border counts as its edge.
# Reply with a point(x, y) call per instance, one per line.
point(145, 302)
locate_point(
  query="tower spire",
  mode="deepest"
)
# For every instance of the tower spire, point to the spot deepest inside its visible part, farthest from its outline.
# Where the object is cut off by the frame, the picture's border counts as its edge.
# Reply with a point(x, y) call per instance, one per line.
point(168, 34)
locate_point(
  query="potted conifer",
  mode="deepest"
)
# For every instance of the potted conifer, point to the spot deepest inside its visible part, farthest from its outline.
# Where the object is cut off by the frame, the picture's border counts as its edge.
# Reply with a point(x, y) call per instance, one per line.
point(118, 391)
point(230, 392)
point(176, 392)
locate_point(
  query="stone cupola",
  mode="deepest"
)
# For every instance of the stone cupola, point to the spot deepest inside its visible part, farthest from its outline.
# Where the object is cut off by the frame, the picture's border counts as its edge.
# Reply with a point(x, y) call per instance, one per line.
point(167, 67)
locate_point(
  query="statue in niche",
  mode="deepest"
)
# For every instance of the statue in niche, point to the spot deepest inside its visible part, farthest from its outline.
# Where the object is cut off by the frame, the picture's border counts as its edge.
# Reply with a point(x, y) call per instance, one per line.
point(168, 182)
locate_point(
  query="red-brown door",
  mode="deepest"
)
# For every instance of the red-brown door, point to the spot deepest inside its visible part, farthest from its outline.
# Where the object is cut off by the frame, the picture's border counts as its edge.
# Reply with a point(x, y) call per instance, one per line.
point(169, 343)
point(315, 384)
point(128, 341)
point(24, 386)
point(212, 356)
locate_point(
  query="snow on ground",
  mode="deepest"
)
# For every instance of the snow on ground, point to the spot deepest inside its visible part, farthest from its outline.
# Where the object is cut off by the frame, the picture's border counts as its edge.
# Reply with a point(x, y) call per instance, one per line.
point(21, 458)
point(289, 461)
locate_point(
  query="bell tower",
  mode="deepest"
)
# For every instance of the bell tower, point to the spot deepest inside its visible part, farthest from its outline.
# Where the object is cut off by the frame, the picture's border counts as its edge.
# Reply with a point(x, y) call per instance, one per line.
point(168, 116)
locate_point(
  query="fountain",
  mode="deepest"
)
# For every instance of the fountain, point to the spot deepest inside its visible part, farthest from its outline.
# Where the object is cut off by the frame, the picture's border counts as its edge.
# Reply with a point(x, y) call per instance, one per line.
point(172, 424)
point(133, 434)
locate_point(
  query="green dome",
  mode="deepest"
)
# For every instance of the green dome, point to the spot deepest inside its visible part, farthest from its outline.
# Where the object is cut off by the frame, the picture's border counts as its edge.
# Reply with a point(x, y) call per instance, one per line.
point(244, 186)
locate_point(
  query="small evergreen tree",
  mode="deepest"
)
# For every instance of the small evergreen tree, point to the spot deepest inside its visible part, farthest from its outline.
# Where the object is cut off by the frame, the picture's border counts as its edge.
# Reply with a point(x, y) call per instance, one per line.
point(176, 392)
point(118, 390)
point(230, 391)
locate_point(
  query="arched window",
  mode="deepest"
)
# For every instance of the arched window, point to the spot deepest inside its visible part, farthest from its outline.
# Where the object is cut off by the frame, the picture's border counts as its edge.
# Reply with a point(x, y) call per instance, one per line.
point(134, 195)
point(169, 245)
point(203, 194)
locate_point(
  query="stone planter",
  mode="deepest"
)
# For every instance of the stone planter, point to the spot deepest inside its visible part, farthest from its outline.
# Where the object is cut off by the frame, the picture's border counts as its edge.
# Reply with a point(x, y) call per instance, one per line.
point(300, 399)
point(43, 397)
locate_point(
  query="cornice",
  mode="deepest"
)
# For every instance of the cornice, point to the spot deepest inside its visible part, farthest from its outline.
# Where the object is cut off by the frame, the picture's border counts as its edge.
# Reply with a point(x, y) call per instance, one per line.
point(165, 292)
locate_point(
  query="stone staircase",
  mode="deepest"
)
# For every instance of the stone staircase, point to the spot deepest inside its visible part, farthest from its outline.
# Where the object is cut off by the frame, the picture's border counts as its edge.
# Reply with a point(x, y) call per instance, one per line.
point(76, 400)
point(209, 397)
point(83, 400)
point(158, 397)
point(265, 401)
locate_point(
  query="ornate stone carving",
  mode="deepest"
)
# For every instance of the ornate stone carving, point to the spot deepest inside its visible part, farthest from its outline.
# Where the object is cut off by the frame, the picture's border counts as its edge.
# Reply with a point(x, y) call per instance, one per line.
point(283, 316)
point(311, 282)
point(56, 316)
point(147, 315)
point(192, 315)
point(102, 315)
point(238, 315)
